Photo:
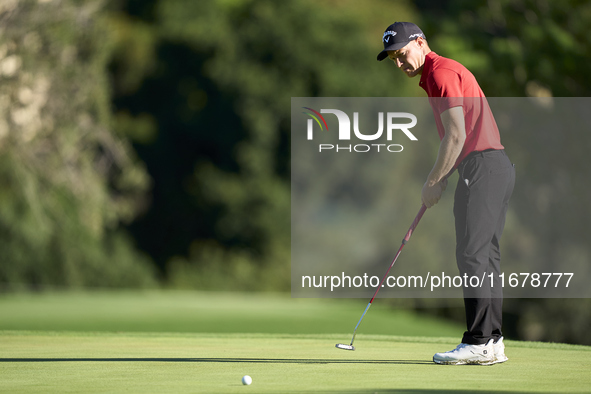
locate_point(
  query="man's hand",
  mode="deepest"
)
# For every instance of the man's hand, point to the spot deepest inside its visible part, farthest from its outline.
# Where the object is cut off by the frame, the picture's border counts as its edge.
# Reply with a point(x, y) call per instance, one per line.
point(432, 192)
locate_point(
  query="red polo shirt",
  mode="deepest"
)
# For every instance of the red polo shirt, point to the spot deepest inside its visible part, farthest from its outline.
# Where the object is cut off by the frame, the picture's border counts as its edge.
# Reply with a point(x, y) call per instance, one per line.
point(449, 84)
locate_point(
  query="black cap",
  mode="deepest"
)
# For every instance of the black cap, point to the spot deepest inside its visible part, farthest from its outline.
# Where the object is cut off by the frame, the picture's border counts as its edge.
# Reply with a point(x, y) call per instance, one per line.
point(397, 35)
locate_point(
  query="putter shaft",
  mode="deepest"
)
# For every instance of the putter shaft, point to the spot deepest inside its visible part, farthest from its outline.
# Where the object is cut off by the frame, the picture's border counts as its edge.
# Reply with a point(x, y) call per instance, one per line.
point(404, 241)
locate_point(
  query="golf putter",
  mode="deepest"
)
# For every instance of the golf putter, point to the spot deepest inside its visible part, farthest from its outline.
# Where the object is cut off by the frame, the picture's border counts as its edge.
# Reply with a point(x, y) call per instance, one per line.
point(404, 241)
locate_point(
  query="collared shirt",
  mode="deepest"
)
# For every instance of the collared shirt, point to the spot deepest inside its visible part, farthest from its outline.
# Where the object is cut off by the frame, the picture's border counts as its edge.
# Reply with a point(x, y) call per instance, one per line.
point(449, 84)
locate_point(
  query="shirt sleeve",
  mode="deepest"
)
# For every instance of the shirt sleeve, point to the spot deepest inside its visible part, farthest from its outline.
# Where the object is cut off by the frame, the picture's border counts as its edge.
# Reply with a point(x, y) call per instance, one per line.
point(446, 89)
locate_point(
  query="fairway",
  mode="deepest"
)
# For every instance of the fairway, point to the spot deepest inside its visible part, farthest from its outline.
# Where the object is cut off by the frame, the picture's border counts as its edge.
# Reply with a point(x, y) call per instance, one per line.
point(196, 342)
point(215, 363)
point(191, 311)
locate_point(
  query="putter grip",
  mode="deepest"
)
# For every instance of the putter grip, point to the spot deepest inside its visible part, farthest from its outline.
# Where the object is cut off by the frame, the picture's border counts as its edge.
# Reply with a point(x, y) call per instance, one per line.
point(414, 223)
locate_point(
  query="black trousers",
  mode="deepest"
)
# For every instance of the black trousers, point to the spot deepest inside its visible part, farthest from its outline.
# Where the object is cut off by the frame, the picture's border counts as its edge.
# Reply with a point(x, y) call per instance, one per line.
point(485, 185)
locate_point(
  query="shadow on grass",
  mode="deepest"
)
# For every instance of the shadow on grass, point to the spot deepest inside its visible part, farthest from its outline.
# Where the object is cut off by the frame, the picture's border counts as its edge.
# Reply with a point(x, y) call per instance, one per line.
point(431, 391)
point(217, 360)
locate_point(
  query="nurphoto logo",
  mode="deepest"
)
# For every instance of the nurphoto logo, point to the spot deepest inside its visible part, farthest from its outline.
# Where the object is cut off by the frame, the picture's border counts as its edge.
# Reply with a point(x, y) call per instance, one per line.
point(392, 120)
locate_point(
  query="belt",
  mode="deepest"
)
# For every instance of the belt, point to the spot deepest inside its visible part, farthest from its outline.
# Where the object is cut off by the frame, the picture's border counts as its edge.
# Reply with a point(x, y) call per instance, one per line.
point(477, 152)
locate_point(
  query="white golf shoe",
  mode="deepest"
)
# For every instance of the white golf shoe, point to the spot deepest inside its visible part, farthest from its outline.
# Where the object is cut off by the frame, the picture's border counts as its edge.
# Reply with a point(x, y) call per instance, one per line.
point(468, 354)
point(499, 348)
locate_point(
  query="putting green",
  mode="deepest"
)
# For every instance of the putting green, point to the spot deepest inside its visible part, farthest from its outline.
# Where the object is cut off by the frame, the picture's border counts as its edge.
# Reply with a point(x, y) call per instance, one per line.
point(63, 362)
point(178, 342)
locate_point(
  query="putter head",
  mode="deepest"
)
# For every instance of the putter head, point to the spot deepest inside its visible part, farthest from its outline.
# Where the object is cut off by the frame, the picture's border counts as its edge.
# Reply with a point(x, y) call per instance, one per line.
point(344, 347)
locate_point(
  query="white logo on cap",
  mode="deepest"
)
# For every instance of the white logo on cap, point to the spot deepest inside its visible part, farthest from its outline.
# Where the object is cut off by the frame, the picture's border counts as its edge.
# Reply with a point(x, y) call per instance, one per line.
point(387, 35)
point(415, 35)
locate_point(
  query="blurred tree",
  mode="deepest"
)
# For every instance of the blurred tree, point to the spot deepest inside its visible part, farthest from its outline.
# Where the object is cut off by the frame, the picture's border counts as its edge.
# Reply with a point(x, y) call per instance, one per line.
point(219, 93)
point(515, 47)
point(67, 181)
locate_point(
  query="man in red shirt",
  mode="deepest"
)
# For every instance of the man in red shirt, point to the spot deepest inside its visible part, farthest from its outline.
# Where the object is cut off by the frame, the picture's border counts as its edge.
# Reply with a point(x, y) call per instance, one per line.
point(470, 143)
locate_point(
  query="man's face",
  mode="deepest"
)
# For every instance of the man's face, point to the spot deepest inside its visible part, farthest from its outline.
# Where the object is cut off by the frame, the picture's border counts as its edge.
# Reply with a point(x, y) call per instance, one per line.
point(409, 59)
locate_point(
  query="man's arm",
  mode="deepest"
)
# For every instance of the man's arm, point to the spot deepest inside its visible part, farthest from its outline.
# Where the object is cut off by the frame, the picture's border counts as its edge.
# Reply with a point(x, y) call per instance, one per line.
point(449, 150)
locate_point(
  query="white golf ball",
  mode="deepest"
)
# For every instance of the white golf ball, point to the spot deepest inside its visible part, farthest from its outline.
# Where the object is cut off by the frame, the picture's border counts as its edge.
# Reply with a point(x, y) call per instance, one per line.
point(246, 380)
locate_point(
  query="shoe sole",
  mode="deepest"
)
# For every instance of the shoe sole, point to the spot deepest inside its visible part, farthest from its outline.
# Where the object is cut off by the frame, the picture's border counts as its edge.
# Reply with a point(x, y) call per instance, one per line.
point(500, 360)
point(466, 362)
point(471, 362)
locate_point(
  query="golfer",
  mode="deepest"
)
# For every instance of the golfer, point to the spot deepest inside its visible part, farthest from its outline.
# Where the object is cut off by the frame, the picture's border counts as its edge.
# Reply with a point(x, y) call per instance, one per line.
point(470, 143)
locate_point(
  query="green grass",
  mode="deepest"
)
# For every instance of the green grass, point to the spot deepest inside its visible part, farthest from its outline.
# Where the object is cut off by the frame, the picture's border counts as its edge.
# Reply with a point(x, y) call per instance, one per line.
point(187, 342)
point(211, 363)
point(179, 311)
